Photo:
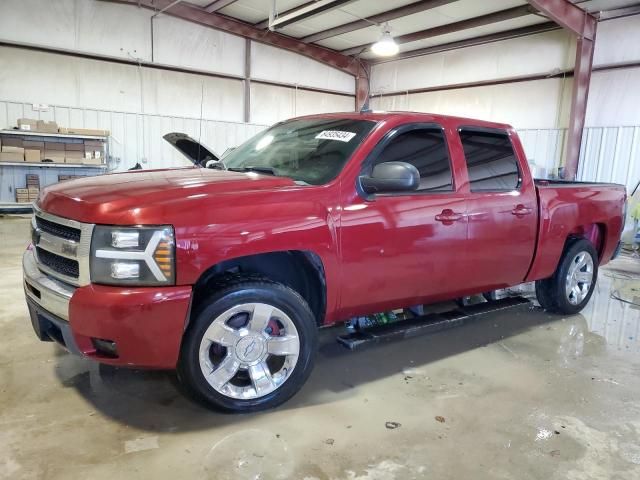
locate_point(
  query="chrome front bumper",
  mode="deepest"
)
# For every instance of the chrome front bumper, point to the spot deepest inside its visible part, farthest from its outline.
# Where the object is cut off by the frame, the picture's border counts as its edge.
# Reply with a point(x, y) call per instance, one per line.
point(50, 294)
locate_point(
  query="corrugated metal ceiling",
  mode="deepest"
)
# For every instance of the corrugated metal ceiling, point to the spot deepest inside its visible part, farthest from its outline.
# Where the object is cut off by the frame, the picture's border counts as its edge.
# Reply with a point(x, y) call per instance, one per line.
point(256, 11)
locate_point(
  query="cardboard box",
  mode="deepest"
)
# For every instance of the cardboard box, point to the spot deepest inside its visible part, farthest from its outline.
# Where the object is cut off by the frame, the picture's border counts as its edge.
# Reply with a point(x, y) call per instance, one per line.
point(28, 124)
point(54, 146)
point(92, 161)
point(47, 127)
point(74, 154)
point(33, 145)
point(85, 131)
point(76, 160)
point(54, 156)
point(11, 157)
point(9, 149)
point(8, 141)
point(74, 147)
point(33, 180)
point(23, 191)
point(33, 156)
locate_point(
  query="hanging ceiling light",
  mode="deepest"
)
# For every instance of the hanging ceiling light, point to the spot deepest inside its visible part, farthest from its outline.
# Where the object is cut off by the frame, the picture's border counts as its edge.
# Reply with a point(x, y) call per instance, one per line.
point(386, 46)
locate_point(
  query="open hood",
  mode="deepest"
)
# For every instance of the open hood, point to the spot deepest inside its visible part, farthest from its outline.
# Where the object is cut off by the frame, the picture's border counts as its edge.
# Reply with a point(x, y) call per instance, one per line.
point(197, 153)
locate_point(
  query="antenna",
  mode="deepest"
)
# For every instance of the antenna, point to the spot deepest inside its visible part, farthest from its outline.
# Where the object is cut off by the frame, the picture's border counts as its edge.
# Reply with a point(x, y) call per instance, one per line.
point(201, 114)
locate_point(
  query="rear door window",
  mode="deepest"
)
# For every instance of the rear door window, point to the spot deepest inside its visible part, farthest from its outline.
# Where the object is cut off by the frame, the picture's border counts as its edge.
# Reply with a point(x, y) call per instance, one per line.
point(491, 161)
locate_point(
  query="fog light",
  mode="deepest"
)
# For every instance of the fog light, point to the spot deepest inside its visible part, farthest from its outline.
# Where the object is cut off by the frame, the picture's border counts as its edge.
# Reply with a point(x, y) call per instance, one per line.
point(128, 239)
point(122, 270)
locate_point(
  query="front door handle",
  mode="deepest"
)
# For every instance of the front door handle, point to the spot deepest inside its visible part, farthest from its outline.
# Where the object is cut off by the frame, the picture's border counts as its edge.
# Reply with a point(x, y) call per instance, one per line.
point(448, 216)
point(520, 211)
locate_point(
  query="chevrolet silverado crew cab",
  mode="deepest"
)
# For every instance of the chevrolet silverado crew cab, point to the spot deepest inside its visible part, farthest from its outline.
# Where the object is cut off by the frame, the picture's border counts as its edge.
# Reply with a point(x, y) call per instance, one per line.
point(226, 273)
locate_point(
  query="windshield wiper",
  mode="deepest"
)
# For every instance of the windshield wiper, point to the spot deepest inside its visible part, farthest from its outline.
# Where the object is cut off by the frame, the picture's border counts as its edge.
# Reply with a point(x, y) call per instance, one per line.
point(267, 170)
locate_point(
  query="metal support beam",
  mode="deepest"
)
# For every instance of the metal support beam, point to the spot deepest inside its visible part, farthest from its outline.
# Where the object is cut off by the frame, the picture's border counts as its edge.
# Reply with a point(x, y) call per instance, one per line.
point(620, 12)
point(584, 25)
point(474, 22)
point(247, 80)
point(362, 87)
point(197, 15)
point(306, 11)
point(380, 18)
point(218, 5)
point(579, 96)
point(568, 16)
point(470, 42)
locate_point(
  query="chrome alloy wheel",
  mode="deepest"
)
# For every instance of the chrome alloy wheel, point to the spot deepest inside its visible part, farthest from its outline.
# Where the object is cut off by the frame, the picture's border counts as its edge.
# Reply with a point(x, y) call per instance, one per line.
point(579, 278)
point(249, 351)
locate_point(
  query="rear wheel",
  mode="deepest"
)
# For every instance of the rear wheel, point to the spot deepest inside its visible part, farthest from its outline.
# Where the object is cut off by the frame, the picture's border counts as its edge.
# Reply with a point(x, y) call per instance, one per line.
point(250, 347)
point(572, 284)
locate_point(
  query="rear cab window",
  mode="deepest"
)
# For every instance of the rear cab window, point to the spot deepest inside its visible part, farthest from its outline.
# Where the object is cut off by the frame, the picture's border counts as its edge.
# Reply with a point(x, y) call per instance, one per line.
point(491, 161)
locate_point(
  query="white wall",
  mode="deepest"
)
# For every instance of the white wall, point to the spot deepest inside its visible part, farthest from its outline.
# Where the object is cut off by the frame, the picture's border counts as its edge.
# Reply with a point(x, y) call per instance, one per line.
point(124, 32)
point(531, 104)
point(614, 96)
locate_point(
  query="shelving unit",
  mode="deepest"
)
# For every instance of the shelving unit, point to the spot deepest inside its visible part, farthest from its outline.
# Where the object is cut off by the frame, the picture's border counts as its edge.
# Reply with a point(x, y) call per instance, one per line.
point(13, 174)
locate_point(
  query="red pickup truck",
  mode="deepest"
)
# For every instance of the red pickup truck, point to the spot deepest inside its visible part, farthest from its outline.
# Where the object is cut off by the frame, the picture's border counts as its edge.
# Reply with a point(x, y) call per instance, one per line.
point(226, 273)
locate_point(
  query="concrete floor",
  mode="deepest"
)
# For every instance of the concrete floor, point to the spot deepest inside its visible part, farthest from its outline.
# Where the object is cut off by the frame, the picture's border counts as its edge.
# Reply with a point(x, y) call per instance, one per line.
point(519, 394)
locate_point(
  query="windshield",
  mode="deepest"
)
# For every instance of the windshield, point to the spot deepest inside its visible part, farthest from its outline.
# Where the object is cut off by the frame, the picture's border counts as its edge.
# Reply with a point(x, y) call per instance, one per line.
point(308, 151)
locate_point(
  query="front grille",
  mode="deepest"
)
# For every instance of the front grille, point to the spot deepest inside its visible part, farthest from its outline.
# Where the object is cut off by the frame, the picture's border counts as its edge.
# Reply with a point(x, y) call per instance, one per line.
point(63, 231)
point(59, 264)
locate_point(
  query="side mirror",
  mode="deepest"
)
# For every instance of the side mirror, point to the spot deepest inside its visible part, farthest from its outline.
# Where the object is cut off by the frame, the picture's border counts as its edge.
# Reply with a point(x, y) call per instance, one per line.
point(391, 177)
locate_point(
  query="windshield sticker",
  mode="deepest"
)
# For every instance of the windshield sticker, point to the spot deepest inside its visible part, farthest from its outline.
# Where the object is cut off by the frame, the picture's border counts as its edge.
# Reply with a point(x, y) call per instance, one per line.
point(336, 135)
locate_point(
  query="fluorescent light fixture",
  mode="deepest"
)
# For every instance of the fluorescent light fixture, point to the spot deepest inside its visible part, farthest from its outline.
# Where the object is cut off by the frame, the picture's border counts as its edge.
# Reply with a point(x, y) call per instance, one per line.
point(386, 46)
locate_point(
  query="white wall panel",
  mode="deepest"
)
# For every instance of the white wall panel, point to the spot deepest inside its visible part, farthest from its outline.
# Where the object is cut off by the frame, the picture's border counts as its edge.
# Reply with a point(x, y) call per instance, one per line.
point(79, 25)
point(188, 45)
point(542, 53)
point(617, 41)
point(533, 104)
point(48, 78)
point(614, 98)
point(276, 65)
point(271, 104)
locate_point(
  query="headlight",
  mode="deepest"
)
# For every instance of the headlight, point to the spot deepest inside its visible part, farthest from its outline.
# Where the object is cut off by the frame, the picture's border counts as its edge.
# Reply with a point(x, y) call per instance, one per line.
point(141, 256)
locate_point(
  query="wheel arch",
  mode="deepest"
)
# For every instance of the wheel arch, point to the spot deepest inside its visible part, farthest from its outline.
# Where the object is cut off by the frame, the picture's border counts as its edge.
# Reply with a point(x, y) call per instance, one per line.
point(595, 233)
point(300, 270)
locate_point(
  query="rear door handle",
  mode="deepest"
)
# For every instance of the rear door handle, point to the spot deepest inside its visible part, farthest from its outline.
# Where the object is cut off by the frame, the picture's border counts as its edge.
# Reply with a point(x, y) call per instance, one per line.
point(520, 211)
point(448, 216)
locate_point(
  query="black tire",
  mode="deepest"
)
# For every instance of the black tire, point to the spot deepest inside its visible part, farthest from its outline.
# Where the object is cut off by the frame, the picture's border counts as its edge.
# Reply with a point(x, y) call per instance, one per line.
point(229, 291)
point(551, 292)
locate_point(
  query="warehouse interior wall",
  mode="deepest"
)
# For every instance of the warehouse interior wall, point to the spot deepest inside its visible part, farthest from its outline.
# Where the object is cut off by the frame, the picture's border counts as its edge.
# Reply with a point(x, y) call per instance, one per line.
point(82, 68)
point(539, 103)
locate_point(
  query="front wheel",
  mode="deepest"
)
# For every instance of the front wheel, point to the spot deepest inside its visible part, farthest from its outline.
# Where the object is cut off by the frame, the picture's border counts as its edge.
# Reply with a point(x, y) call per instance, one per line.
point(250, 347)
point(572, 284)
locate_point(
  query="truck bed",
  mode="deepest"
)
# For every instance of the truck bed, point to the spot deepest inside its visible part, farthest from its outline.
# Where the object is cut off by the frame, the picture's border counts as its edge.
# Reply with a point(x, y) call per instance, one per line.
point(569, 208)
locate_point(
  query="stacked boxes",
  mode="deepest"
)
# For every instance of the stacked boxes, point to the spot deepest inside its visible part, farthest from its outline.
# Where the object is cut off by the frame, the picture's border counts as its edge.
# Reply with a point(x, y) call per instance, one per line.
point(33, 186)
point(31, 192)
point(74, 152)
point(56, 150)
point(11, 150)
point(62, 178)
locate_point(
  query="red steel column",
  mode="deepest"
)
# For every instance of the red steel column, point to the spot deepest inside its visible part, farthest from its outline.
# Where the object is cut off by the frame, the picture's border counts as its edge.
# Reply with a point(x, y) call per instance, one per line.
point(578, 21)
point(579, 96)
